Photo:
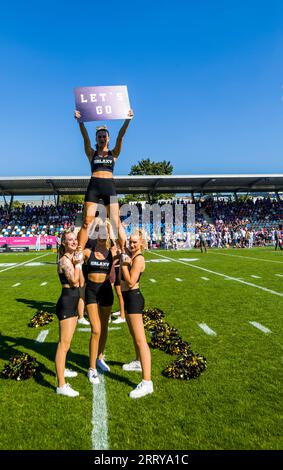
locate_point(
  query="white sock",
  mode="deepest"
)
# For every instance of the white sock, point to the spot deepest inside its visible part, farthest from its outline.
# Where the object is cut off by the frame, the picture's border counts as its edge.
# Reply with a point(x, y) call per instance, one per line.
point(146, 381)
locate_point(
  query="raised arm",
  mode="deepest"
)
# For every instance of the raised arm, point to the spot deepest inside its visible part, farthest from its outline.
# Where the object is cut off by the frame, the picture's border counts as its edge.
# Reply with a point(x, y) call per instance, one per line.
point(117, 149)
point(71, 272)
point(87, 144)
point(137, 267)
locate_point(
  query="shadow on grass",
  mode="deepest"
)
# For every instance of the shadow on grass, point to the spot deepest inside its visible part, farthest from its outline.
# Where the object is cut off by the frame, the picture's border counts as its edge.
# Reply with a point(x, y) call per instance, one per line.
point(39, 304)
point(118, 378)
point(11, 346)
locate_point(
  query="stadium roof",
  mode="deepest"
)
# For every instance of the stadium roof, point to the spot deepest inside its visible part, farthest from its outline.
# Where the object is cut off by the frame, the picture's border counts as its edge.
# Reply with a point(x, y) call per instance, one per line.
point(59, 185)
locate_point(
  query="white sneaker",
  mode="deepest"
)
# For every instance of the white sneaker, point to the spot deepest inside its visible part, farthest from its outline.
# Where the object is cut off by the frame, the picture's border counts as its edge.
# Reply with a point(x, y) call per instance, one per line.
point(119, 320)
point(70, 373)
point(83, 321)
point(145, 387)
point(134, 366)
point(101, 364)
point(93, 376)
point(67, 390)
point(116, 314)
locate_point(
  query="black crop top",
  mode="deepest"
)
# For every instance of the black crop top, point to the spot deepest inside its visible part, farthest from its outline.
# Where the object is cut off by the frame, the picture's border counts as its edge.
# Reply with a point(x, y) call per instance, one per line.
point(130, 267)
point(102, 163)
point(62, 276)
point(100, 266)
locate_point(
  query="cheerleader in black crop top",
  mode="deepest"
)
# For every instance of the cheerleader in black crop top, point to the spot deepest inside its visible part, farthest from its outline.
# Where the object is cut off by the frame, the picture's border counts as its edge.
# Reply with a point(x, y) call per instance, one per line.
point(70, 275)
point(101, 186)
point(132, 269)
point(99, 300)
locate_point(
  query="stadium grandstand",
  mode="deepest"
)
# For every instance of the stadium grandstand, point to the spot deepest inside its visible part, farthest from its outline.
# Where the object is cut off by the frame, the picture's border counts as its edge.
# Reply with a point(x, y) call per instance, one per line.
point(230, 210)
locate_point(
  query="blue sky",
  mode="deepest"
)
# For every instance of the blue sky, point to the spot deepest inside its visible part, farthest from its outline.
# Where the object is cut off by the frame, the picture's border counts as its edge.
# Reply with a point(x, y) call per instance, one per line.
point(204, 80)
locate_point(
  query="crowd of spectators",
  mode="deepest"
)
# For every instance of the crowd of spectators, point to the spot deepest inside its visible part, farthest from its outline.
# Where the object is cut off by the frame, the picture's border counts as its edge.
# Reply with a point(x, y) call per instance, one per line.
point(220, 222)
point(29, 220)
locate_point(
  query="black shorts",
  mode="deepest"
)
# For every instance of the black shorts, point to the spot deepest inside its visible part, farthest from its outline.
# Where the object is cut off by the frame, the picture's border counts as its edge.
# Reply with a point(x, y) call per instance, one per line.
point(133, 301)
point(67, 304)
point(101, 188)
point(117, 278)
point(99, 293)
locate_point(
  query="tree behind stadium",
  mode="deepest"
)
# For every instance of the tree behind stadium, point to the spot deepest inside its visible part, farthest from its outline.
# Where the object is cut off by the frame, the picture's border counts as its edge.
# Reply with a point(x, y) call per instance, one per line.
point(148, 167)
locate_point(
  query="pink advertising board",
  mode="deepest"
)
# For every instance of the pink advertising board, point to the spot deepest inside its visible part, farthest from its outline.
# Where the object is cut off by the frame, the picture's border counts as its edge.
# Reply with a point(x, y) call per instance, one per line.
point(27, 241)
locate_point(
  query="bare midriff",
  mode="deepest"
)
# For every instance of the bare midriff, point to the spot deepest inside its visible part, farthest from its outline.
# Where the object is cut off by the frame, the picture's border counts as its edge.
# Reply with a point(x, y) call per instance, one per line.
point(102, 174)
point(97, 277)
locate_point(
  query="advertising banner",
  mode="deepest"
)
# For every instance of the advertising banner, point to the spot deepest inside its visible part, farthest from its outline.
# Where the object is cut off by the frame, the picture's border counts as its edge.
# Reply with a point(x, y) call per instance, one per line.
point(27, 241)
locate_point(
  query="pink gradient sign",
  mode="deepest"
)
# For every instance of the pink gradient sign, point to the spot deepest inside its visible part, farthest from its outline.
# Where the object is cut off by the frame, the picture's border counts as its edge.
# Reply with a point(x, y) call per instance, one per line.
point(102, 103)
point(27, 241)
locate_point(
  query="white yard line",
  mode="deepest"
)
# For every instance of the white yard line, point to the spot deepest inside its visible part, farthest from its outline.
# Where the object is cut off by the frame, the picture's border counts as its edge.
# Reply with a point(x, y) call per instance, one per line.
point(17, 284)
point(255, 277)
point(99, 434)
point(152, 280)
point(41, 337)
point(43, 284)
point(245, 257)
point(260, 327)
point(280, 294)
point(7, 264)
point(279, 275)
point(205, 278)
point(25, 262)
point(178, 279)
point(206, 329)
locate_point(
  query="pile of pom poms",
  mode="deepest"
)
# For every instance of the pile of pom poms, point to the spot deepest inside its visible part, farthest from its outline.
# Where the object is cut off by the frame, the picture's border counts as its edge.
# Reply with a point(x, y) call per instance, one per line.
point(40, 318)
point(20, 367)
point(166, 338)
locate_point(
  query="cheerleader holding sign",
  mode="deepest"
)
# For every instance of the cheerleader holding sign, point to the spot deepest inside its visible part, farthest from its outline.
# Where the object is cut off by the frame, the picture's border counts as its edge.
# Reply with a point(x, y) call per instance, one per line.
point(96, 104)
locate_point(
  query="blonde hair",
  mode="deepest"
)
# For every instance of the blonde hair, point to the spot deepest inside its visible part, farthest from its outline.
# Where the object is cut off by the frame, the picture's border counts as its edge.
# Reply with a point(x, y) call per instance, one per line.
point(62, 247)
point(101, 222)
point(140, 233)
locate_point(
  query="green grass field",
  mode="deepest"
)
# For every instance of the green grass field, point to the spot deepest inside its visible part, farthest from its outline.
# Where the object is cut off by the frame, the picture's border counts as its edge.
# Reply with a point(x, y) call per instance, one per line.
point(235, 404)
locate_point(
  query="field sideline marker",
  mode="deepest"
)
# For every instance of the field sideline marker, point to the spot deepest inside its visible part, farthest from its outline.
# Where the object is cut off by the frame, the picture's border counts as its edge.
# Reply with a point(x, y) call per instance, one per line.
point(99, 434)
point(225, 276)
point(25, 262)
point(206, 329)
point(245, 257)
point(41, 337)
point(260, 327)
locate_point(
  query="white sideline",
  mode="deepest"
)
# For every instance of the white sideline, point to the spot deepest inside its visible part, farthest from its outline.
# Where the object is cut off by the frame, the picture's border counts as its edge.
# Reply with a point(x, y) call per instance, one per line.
point(260, 327)
point(206, 329)
point(280, 294)
point(41, 337)
point(99, 434)
point(245, 257)
point(25, 262)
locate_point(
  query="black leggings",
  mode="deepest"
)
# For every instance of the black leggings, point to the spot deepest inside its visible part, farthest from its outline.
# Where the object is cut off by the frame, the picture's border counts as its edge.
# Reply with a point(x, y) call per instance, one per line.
point(99, 293)
point(101, 188)
point(133, 301)
point(67, 304)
